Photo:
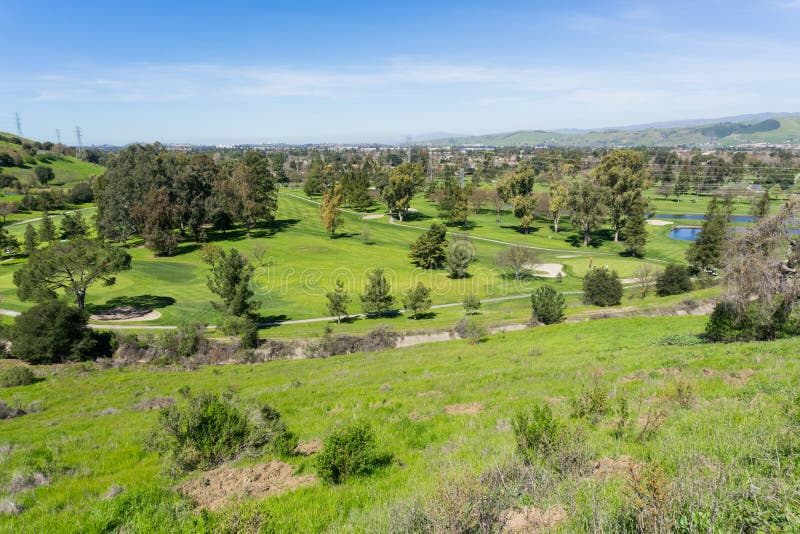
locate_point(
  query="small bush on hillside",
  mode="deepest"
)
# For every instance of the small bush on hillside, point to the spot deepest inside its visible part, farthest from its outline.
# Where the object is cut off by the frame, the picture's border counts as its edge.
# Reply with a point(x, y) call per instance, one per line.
point(184, 341)
point(381, 338)
point(471, 304)
point(678, 340)
point(726, 324)
point(591, 402)
point(211, 428)
point(468, 328)
point(244, 327)
point(16, 376)
point(547, 305)
point(602, 287)
point(536, 432)
point(349, 451)
point(673, 280)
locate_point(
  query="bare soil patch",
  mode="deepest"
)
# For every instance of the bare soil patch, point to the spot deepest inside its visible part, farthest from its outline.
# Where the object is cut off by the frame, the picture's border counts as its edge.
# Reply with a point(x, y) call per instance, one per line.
point(622, 467)
point(307, 449)
point(154, 403)
point(214, 489)
point(126, 313)
point(532, 520)
point(472, 408)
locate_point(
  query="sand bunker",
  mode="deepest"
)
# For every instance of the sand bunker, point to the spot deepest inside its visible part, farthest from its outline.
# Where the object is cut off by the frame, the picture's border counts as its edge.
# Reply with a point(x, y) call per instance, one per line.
point(472, 408)
point(545, 270)
point(126, 313)
point(658, 222)
point(224, 485)
point(532, 520)
point(373, 216)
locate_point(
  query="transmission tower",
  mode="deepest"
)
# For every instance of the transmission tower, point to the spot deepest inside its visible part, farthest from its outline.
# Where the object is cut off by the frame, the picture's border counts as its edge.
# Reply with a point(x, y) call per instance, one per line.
point(58, 136)
point(19, 124)
point(80, 141)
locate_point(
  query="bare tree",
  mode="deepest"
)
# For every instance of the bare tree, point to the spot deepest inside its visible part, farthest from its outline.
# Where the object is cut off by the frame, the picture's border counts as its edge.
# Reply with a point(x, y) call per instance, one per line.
point(645, 276)
point(517, 258)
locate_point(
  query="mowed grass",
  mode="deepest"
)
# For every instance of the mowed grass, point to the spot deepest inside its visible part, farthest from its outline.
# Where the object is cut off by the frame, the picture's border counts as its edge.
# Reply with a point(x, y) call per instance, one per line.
point(67, 170)
point(733, 422)
point(301, 263)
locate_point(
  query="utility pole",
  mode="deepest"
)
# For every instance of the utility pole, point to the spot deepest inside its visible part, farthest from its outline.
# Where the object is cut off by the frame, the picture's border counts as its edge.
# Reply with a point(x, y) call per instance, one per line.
point(80, 141)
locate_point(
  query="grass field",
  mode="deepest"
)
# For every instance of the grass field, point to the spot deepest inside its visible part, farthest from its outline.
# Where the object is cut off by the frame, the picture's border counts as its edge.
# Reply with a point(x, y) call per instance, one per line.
point(730, 416)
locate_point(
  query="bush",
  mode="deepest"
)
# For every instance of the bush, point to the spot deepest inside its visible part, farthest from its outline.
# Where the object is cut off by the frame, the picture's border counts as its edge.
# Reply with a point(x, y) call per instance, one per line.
point(536, 432)
point(547, 305)
point(673, 280)
point(212, 428)
point(470, 329)
point(81, 193)
point(185, 341)
point(727, 324)
point(16, 376)
point(51, 332)
point(602, 287)
point(592, 402)
point(244, 327)
point(348, 451)
point(471, 304)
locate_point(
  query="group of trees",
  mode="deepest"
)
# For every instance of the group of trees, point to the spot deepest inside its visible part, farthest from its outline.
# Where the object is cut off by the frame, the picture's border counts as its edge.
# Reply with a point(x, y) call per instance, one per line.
point(150, 193)
point(431, 250)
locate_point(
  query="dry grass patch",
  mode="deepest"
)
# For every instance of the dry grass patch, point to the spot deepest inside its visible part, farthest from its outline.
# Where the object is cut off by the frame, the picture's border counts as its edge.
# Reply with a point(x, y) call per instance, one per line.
point(532, 520)
point(472, 408)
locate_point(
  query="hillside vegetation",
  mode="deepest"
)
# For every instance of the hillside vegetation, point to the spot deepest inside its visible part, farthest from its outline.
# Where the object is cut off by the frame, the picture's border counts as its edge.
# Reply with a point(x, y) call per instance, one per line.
point(19, 157)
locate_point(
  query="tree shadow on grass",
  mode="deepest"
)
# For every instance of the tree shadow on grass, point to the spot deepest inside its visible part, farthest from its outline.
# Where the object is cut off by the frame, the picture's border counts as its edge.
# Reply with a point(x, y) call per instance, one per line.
point(596, 240)
point(269, 321)
point(517, 228)
point(415, 216)
point(151, 302)
point(423, 315)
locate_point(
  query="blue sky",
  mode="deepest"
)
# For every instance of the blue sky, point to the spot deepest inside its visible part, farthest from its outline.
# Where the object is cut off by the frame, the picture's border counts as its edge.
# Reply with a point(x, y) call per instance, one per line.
point(228, 72)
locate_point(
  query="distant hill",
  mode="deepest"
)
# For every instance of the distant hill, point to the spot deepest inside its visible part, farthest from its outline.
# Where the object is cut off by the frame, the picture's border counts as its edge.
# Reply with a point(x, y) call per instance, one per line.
point(19, 157)
point(775, 128)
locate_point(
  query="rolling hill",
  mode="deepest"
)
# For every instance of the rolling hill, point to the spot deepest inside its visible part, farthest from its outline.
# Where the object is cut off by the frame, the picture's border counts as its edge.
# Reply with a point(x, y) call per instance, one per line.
point(67, 169)
point(775, 129)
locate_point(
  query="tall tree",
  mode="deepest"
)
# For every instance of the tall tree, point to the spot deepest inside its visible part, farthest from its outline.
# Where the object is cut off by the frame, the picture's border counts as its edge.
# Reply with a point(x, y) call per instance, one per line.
point(460, 255)
point(706, 253)
point(73, 225)
point(338, 299)
point(635, 229)
point(72, 266)
point(559, 199)
point(355, 188)
point(403, 183)
point(519, 183)
point(417, 300)
point(625, 175)
point(47, 229)
point(761, 208)
point(330, 210)
point(193, 189)
point(45, 175)
point(524, 209)
point(428, 251)
point(454, 206)
point(377, 297)
point(31, 240)
point(587, 206)
point(252, 190)
point(229, 279)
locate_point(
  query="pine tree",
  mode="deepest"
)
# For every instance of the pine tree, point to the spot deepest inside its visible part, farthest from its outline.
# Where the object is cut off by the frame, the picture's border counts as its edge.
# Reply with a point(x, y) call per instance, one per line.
point(338, 299)
point(377, 298)
point(706, 252)
point(635, 229)
point(230, 279)
point(47, 230)
point(417, 300)
point(31, 239)
point(459, 255)
point(428, 251)
point(330, 211)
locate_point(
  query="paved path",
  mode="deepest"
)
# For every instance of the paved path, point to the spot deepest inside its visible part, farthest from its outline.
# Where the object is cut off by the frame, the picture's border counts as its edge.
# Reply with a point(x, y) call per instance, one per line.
point(19, 223)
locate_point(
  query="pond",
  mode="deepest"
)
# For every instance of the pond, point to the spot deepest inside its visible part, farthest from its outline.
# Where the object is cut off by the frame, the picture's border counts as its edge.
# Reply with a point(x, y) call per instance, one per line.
point(684, 233)
point(701, 217)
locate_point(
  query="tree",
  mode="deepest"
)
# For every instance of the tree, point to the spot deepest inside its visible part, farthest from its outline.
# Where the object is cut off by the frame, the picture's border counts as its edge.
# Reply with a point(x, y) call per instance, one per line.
point(377, 298)
point(761, 208)
point(559, 197)
point(602, 287)
point(587, 206)
point(31, 240)
point(73, 226)
point(330, 211)
point(428, 251)
point(338, 299)
point(192, 189)
point(517, 258)
point(403, 182)
point(251, 190)
point(454, 206)
point(6, 209)
point(517, 184)
point(230, 280)
point(644, 279)
point(705, 254)
point(355, 188)
point(460, 255)
point(45, 175)
point(417, 300)
point(673, 280)
point(8, 243)
point(47, 229)
point(635, 230)
point(547, 305)
point(158, 218)
point(471, 304)
point(72, 266)
point(524, 208)
point(49, 332)
point(625, 175)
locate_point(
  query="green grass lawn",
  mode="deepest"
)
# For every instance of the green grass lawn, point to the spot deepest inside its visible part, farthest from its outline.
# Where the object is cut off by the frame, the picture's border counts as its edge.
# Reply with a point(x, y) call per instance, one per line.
point(730, 417)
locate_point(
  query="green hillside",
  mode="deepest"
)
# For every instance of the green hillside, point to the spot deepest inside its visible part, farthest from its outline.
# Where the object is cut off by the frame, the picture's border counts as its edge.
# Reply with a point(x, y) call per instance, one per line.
point(775, 130)
point(67, 169)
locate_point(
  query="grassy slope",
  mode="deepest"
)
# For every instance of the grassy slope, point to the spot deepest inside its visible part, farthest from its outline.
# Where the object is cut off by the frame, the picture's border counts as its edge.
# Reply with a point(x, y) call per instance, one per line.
point(731, 424)
point(67, 169)
point(789, 132)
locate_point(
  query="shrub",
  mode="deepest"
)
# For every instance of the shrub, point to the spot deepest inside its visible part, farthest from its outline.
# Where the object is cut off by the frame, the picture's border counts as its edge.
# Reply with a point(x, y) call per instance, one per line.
point(348, 451)
point(468, 328)
point(244, 327)
point(726, 324)
point(672, 340)
point(471, 304)
point(673, 280)
point(81, 193)
point(536, 432)
point(602, 287)
point(16, 376)
point(212, 428)
point(50, 332)
point(591, 402)
point(186, 340)
point(547, 305)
